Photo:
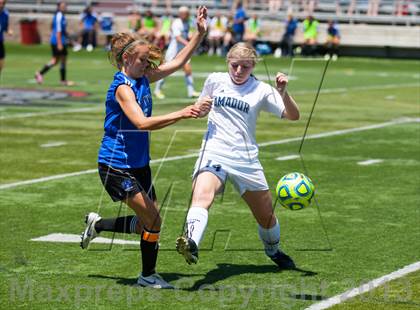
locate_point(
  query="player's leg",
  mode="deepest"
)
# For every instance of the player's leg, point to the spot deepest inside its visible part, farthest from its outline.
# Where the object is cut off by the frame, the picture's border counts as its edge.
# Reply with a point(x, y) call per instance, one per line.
point(1, 65)
point(2, 56)
point(205, 186)
point(189, 81)
point(260, 203)
point(55, 55)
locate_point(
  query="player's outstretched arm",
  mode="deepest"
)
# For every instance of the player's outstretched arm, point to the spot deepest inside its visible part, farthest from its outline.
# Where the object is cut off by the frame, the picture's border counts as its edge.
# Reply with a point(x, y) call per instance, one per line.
point(132, 110)
point(185, 54)
point(291, 111)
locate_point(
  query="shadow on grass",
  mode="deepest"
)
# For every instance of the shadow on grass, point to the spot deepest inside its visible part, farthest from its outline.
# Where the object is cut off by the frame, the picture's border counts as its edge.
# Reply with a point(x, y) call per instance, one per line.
point(222, 272)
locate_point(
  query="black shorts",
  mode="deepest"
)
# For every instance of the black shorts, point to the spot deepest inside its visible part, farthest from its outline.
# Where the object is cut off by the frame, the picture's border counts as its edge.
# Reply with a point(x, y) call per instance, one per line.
point(2, 51)
point(55, 52)
point(124, 183)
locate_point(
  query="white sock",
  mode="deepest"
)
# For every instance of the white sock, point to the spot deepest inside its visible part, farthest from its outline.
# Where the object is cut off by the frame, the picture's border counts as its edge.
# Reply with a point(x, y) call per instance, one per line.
point(270, 237)
point(190, 84)
point(196, 223)
point(159, 85)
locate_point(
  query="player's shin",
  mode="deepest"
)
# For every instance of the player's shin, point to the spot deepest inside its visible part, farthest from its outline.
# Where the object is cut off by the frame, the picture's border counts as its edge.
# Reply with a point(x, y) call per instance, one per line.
point(149, 250)
point(126, 224)
point(197, 218)
point(270, 237)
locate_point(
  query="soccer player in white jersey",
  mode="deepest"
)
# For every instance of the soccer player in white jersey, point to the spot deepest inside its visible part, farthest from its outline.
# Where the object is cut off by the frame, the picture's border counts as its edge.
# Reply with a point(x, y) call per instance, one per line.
point(229, 150)
point(180, 35)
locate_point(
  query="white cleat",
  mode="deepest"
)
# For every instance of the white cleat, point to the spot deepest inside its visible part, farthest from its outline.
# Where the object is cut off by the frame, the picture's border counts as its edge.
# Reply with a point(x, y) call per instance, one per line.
point(153, 281)
point(90, 233)
point(187, 248)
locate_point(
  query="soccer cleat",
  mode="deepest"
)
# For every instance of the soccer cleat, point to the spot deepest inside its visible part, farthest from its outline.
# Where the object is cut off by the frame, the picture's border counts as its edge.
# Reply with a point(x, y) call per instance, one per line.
point(90, 233)
point(67, 83)
point(77, 47)
point(194, 94)
point(89, 48)
point(153, 281)
point(187, 247)
point(283, 261)
point(158, 94)
point(39, 78)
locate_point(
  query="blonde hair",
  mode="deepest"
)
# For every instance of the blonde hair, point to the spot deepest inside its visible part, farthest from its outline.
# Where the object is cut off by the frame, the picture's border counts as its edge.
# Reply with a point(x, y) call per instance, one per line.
point(125, 43)
point(243, 51)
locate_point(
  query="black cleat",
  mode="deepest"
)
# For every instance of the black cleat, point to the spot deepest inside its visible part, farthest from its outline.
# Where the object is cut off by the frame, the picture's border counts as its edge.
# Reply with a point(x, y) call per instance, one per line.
point(187, 247)
point(283, 261)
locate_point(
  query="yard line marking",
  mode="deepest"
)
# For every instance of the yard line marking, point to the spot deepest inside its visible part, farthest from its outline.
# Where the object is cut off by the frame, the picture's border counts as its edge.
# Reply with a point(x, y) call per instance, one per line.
point(25, 115)
point(72, 238)
point(370, 162)
point(192, 155)
point(53, 144)
point(288, 157)
point(364, 288)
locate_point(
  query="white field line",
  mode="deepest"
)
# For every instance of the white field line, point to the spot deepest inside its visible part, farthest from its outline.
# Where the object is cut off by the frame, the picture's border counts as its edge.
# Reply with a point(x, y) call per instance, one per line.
point(364, 288)
point(187, 100)
point(34, 114)
point(287, 157)
point(72, 238)
point(53, 144)
point(192, 155)
point(370, 162)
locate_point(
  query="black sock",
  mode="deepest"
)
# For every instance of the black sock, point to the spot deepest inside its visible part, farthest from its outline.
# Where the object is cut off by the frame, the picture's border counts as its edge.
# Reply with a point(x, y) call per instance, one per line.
point(149, 252)
point(63, 72)
point(126, 224)
point(46, 68)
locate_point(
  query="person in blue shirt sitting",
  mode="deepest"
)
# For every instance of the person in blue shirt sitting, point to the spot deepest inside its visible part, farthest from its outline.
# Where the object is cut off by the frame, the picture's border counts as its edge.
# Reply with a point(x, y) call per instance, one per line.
point(287, 40)
point(88, 25)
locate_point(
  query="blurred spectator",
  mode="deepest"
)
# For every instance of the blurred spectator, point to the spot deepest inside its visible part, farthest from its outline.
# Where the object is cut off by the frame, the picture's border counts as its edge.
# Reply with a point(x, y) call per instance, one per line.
point(218, 28)
point(333, 40)
point(149, 26)
point(274, 5)
point(106, 21)
point(252, 30)
point(239, 23)
point(228, 38)
point(310, 35)
point(164, 32)
point(168, 4)
point(287, 40)
point(403, 7)
point(134, 20)
point(373, 7)
point(88, 25)
point(4, 28)
point(58, 42)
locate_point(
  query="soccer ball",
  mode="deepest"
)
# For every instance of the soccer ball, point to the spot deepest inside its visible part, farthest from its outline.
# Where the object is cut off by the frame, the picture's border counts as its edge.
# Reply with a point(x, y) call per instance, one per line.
point(295, 191)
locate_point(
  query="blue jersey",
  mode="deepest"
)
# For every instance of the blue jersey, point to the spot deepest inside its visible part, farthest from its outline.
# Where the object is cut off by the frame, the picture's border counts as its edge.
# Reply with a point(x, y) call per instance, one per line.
point(59, 24)
point(4, 23)
point(239, 27)
point(123, 145)
point(89, 20)
point(333, 30)
point(291, 26)
point(106, 23)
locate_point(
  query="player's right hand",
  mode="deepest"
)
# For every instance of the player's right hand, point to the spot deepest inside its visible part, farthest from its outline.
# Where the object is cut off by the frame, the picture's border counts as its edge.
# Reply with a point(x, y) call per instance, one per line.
point(205, 105)
point(191, 111)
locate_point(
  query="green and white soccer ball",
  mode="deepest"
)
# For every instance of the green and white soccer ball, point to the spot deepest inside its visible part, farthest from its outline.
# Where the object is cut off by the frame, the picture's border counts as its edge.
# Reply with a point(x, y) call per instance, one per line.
point(295, 191)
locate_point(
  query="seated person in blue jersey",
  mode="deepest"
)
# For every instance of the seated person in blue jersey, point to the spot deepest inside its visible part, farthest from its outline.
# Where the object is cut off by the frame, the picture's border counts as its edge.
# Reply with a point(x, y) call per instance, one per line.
point(4, 28)
point(229, 151)
point(106, 21)
point(58, 41)
point(124, 153)
point(333, 40)
point(88, 26)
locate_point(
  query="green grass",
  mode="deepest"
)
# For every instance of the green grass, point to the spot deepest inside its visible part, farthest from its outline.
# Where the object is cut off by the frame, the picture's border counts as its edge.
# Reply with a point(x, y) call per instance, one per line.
point(370, 212)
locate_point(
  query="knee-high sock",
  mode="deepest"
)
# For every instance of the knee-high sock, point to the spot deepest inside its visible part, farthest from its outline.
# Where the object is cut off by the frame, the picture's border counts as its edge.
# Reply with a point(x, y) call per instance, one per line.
point(270, 237)
point(149, 247)
point(197, 218)
point(63, 72)
point(159, 85)
point(190, 84)
point(45, 69)
point(126, 224)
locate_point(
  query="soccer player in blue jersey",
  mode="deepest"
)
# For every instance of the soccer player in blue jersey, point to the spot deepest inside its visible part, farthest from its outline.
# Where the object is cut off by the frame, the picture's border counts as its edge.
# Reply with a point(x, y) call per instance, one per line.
point(4, 28)
point(124, 153)
point(58, 41)
point(88, 26)
point(230, 151)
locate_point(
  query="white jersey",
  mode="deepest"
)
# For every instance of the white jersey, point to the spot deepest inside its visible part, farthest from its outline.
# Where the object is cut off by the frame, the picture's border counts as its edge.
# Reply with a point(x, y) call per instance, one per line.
point(232, 119)
point(178, 28)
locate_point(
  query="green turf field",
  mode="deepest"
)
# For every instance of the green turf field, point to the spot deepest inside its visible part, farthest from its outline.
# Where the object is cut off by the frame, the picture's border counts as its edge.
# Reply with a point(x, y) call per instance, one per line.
point(370, 212)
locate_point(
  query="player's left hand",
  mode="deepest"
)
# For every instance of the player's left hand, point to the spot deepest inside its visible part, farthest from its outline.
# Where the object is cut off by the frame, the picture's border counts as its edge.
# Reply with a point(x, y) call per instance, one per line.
point(202, 19)
point(281, 82)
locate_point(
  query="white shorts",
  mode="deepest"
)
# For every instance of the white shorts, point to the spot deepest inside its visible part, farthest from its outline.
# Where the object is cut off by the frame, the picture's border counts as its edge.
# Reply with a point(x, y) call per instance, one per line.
point(244, 177)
